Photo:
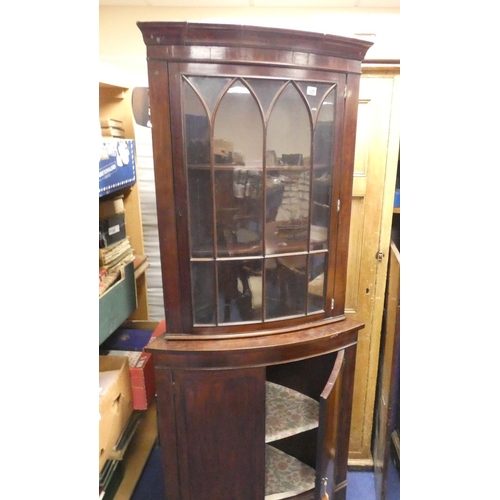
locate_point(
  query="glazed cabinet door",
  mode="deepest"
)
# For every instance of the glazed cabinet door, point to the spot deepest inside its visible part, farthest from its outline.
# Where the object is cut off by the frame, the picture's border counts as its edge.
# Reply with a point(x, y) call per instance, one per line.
point(256, 163)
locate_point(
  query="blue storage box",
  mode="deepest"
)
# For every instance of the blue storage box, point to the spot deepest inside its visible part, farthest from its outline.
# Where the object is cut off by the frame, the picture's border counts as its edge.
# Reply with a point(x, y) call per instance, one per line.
point(396, 199)
point(127, 339)
point(117, 167)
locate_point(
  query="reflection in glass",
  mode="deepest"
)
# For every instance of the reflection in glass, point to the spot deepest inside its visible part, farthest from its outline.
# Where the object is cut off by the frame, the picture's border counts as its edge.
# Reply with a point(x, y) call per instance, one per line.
point(286, 286)
point(203, 286)
point(238, 196)
point(314, 93)
point(240, 291)
point(316, 283)
point(238, 129)
point(322, 173)
point(266, 91)
point(237, 147)
point(197, 141)
point(269, 192)
point(209, 88)
point(288, 170)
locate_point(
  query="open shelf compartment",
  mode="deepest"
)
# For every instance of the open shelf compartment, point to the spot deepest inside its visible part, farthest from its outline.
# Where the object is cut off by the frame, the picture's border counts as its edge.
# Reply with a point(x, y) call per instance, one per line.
point(286, 476)
point(288, 412)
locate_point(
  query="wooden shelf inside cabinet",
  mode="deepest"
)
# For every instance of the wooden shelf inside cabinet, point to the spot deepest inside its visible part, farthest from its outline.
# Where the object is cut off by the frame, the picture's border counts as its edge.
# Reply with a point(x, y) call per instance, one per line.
point(286, 477)
point(288, 412)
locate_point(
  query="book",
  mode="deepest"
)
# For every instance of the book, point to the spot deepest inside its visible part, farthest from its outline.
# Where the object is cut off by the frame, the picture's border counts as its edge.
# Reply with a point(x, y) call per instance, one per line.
point(110, 274)
point(110, 122)
point(122, 259)
point(122, 262)
point(110, 254)
point(107, 280)
point(112, 132)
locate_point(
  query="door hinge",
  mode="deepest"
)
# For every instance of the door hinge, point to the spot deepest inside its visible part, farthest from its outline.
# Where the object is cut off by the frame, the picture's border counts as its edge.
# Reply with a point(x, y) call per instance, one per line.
point(345, 92)
point(338, 205)
point(333, 303)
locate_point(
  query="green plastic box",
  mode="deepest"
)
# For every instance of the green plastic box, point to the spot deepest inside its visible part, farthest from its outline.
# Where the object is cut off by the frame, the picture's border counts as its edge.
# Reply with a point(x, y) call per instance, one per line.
point(117, 303)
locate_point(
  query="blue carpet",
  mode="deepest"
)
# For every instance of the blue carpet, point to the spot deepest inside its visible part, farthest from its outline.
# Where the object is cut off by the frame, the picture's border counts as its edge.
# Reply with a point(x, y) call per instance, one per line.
point(361, 484)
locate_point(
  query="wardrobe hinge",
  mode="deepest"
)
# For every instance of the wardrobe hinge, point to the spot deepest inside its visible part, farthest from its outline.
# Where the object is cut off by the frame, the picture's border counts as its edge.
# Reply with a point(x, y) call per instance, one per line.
point(338, 205)
point(333, 303)
point(345, 92)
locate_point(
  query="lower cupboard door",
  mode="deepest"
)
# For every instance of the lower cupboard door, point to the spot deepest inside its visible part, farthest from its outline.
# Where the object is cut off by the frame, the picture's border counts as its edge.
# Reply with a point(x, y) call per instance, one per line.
point(328, 433)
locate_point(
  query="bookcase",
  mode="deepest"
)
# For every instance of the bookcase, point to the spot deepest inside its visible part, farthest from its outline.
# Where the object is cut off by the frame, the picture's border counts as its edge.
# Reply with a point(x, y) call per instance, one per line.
point(115, 101)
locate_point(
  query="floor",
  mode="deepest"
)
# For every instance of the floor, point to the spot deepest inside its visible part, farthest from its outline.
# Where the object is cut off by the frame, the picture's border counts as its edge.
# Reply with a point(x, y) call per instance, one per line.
point(361, 484)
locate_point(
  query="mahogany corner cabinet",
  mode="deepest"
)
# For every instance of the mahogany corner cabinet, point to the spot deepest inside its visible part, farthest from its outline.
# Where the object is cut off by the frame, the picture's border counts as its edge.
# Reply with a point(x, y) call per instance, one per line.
point(253, 144)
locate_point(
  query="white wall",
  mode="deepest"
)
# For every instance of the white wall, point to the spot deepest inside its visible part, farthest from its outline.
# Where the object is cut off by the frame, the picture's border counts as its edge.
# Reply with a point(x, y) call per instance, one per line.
point(122, 49)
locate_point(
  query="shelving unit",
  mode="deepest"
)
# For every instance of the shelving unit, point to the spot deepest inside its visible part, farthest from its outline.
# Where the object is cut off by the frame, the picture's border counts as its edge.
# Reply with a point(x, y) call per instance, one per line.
point(115, 102)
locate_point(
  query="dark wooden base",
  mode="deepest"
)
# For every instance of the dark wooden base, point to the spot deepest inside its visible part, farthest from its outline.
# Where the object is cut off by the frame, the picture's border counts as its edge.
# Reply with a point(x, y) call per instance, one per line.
point(211, 409)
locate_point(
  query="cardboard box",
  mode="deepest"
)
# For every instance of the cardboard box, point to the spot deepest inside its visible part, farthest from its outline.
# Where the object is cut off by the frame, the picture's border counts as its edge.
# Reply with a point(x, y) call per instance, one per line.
point(159, 330)
point(115, 402)
point(117, 168)
point(117, 303)
point(142, 377)
point(124, 342)
point(110, 207)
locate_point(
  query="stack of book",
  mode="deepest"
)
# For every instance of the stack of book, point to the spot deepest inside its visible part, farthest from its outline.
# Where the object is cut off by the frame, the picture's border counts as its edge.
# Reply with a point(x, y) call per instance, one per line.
point(116, 255)
point(115, 251)
point(111, 127)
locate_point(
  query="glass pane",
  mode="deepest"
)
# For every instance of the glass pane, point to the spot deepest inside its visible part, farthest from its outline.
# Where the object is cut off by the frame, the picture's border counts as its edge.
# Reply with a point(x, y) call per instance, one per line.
point(203, 286)
point(209, 88)
point(238, 140)
point(238, 195)
point(322, 173)
point(265, 90)
point(285, 286)
point(238, 129)
point(197, 139)
point(288, 171)
point(314, 93)
point(316, 283)
point(240, 291)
